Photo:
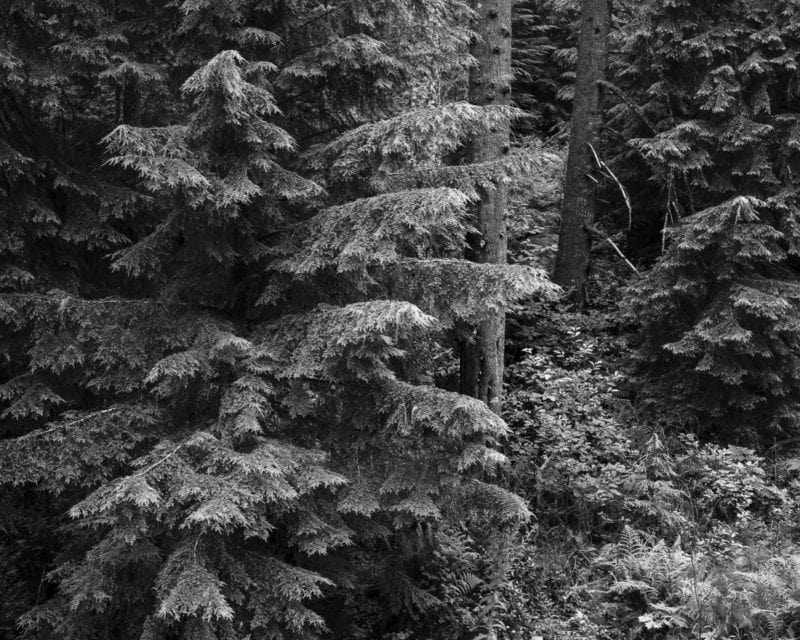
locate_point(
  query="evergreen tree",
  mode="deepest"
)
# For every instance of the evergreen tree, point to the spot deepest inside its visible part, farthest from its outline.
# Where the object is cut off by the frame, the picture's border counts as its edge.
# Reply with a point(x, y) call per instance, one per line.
point(482, 359)
point(240, 407)
point(579, 206)
point(716, 125)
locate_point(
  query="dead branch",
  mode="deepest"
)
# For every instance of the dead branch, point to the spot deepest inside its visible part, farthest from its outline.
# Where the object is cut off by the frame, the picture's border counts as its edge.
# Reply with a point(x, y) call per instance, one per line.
point(605, 168)
point(604, 236)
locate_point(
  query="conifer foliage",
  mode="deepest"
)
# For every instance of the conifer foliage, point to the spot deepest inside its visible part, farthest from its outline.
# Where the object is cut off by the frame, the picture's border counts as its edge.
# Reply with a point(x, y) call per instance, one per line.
point(716, 126)
point(223, 325)
point(544, 57)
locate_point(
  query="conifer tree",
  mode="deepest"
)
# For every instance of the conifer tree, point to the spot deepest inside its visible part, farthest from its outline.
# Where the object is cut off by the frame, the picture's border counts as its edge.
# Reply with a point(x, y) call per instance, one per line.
point(579, 206)
point(716, 124)
point(239, 412)
point(482, 360)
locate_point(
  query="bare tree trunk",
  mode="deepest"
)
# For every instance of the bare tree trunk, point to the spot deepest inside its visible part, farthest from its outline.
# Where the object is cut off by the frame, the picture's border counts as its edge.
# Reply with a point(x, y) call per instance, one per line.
point(490, 83)
point(579, 206)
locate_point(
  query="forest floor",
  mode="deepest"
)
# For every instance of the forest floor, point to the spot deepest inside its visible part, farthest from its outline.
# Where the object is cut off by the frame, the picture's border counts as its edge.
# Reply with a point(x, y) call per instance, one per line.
point(636, 533)
point(575, 431)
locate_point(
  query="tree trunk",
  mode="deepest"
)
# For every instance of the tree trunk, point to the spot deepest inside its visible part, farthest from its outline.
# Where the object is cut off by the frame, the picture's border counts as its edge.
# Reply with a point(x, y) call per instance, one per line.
point(579, 205)
point(489, 83)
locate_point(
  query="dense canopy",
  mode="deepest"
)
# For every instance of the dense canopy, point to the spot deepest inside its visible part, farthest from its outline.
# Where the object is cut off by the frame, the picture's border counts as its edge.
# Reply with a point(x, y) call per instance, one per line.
point(264, 265)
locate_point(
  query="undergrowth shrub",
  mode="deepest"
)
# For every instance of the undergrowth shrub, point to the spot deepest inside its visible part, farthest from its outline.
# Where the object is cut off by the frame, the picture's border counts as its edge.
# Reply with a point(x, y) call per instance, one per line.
point(730, 570)
point(576, 450)
point(727, 483)
point(640, 535)
point(651, 589)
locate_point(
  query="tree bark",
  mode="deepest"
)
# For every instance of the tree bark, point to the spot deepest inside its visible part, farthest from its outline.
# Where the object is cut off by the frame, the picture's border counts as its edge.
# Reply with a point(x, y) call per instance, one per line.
point(579, 206)
point(489, 83)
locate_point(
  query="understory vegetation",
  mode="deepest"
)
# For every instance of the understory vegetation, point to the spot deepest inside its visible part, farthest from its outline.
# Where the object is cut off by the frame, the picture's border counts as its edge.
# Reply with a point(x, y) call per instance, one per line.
point(247, 309)
point(639, 531)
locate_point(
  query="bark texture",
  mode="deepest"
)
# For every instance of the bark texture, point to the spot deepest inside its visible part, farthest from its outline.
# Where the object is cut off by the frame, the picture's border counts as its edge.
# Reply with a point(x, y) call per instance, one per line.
point(579, 206)
point(490, 83)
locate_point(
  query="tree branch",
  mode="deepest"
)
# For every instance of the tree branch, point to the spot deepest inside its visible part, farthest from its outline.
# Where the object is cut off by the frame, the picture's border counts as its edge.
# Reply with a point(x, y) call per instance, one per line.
point(44, 432)
point(604, 236)
point(604, 167)
point(636, 108)
point(159, 462)
point(63, 301)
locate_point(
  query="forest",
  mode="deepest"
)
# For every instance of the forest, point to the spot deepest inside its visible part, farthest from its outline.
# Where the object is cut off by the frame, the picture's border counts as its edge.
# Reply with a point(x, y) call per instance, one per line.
point(400, 320)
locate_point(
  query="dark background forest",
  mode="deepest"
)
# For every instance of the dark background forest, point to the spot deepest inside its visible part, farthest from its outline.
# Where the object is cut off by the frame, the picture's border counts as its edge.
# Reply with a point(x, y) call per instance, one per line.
point(399, 319)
